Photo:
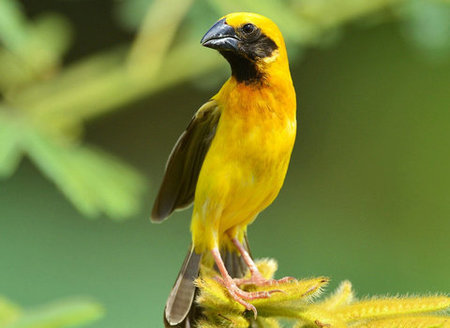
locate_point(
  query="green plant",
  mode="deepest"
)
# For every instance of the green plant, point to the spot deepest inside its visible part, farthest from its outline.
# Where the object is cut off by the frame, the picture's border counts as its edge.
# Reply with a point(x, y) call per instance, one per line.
point(298, 302)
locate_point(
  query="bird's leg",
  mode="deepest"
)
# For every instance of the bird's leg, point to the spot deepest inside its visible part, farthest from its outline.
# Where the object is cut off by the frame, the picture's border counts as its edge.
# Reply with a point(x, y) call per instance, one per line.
point(256, 277)
point(235, 292)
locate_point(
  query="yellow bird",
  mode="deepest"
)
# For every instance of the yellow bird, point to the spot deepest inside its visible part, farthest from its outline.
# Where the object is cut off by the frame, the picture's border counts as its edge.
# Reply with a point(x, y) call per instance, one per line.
point(232, 159)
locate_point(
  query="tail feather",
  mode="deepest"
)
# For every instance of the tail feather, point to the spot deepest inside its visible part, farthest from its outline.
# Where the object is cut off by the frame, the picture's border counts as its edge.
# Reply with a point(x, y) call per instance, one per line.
point(181, 310)
point(182, 296)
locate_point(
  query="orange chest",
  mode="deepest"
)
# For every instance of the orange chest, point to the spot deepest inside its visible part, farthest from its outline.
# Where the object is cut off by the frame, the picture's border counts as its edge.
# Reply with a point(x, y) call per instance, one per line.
point(255, 134)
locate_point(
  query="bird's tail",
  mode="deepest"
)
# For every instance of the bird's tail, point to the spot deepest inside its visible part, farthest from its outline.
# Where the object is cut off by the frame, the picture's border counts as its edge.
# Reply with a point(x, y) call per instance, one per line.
point(181, 311)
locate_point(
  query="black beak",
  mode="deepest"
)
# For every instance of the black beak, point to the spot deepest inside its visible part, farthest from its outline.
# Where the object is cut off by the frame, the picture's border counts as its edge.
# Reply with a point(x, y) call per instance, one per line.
point(220, 36)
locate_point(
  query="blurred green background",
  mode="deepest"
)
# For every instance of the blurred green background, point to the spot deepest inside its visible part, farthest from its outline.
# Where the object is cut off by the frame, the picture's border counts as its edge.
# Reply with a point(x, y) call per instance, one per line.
point(94, 94)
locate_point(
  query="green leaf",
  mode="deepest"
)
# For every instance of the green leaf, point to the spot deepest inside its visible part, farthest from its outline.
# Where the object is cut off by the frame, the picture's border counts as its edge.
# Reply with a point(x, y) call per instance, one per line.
point(10, 150)
point(95, 182)
point(82, 96)
point(34, 49)
point(155, 37)
point(13, 25)
point(62, 314)
point(51, 36)
point(428, 26)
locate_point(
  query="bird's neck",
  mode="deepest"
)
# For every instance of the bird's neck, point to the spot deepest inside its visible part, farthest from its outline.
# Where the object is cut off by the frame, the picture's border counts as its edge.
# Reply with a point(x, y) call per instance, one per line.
point(275, 94)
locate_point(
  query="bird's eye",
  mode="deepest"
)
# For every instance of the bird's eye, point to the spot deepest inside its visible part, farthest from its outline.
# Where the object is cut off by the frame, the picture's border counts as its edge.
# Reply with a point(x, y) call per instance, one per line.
point(248, 28)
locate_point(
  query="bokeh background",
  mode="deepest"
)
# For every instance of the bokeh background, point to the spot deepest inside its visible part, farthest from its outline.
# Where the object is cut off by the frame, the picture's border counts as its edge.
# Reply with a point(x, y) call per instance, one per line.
point(95, 93)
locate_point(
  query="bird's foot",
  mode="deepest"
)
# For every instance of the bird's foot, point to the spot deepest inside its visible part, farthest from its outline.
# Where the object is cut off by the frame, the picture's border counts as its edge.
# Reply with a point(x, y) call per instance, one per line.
point(258, 280)
point(242, 296)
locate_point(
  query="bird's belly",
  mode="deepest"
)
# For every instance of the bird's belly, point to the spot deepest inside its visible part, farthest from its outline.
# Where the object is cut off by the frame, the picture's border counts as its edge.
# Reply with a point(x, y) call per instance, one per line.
point(256, 188)
point(241, 175)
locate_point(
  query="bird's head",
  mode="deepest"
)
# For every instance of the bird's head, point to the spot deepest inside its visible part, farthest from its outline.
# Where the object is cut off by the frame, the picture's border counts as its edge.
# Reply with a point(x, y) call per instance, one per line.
point(250, 42)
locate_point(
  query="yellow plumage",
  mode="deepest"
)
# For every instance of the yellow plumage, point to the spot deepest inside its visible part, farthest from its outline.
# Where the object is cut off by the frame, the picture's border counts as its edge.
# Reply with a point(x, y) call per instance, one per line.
point(246, 164)
point(232, 159)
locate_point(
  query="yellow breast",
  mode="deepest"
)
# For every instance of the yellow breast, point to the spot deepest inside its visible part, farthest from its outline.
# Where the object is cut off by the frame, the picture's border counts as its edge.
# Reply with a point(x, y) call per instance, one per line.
point(247, 162)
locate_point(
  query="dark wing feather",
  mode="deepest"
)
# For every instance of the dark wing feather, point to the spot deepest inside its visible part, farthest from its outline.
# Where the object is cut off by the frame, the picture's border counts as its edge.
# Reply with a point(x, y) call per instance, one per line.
point(184, 164)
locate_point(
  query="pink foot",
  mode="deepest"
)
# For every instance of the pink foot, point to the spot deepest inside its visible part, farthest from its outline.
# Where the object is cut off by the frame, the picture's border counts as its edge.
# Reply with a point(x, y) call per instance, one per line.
point(258, 280)
point(256, 277)
point(241, 296)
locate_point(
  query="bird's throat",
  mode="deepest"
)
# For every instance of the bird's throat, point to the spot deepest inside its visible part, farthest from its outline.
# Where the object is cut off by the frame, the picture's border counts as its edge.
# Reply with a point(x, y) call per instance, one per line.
point(243, 69)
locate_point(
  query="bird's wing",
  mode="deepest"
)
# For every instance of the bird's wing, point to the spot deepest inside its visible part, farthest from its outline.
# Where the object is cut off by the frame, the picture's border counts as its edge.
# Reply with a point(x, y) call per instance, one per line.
point(185, 161)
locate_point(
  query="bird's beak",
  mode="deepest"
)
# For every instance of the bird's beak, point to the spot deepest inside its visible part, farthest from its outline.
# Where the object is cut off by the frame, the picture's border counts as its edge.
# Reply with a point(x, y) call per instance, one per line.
point(220, 36)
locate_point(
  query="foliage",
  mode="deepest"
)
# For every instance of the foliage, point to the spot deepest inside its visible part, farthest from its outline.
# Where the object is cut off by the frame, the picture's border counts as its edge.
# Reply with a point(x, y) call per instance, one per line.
point(297, 303)
point(44, 104)
point(68, 313)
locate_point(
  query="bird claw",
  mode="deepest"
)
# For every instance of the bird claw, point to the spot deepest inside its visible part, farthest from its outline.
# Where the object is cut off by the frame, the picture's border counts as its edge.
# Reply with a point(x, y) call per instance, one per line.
point(242, 296)
point(259, 280)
